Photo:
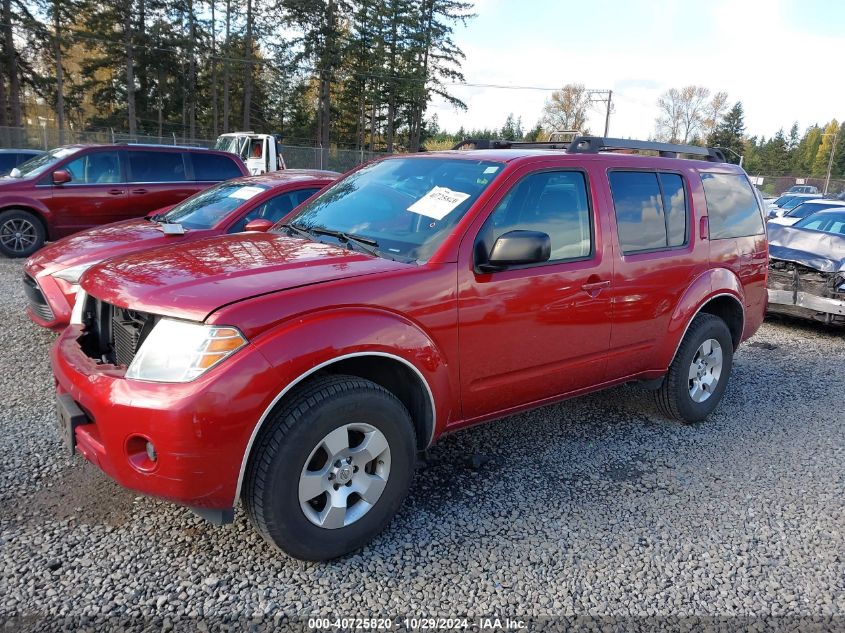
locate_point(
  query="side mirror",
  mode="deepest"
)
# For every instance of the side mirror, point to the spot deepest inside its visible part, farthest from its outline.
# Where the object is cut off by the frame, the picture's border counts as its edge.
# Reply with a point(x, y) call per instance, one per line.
point(517, 248)
point(61, 176)
point(259, 224)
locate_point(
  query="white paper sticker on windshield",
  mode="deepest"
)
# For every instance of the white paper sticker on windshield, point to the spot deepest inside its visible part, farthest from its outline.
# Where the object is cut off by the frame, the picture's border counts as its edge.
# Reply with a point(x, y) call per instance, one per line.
point(245, 193)
point(491, 170)
point(438, 202)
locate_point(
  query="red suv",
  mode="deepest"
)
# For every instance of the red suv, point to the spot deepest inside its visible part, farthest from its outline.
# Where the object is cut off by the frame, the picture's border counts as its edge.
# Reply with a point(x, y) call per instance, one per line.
point(254, 203)
point(301, 370)
point(79, 186)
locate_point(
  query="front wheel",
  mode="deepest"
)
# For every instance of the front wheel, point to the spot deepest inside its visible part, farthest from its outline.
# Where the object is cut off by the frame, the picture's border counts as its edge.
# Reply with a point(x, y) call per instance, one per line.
point(331, 469)
point(698, 376)
point(21, 233)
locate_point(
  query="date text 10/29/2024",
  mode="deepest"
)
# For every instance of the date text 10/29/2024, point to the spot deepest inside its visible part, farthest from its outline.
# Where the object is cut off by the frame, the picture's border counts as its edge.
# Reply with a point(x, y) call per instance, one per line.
point(491, 623)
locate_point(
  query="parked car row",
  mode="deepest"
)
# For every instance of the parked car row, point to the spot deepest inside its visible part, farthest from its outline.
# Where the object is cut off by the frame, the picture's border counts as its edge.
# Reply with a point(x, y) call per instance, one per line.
point(211, 359)
point(253, 203)
point(75, 187)
point(290, 342)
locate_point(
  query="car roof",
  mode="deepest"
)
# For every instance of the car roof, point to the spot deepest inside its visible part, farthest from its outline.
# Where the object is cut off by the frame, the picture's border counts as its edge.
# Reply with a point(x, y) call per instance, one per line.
point(617, 157)
point(286, 176)
point(143, 147)
point(824, 212)
point(834, 202)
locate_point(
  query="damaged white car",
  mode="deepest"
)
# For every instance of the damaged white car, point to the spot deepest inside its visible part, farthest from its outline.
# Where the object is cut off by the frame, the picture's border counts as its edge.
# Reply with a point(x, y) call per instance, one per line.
point(807, 267)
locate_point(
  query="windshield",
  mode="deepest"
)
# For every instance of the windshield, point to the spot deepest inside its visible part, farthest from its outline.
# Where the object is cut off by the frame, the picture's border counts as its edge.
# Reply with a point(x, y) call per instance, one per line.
point(406, 206)
point(826, 221)
point(783, 200)
point(791, 204)
point(206, 209)
point(806, 208)
point(43, 162)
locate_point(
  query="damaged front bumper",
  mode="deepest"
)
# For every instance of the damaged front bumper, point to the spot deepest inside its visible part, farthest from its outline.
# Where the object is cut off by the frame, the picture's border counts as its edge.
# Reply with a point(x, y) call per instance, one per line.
point(802, 291)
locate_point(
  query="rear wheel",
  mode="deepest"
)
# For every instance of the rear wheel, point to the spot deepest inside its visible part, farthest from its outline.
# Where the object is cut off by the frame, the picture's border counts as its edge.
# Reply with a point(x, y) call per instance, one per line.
point(331, 469)
point(21, 233)
point(698, 376)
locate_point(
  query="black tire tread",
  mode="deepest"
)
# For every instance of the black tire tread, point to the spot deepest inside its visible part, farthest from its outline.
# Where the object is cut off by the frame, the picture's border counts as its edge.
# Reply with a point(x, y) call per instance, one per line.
point(664, 396)
point(310, 394)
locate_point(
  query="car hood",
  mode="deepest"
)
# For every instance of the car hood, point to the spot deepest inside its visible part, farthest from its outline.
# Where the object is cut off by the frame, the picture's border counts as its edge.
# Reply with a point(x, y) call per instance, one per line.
point(191, 281)
point(823, 251)
point(97, 244)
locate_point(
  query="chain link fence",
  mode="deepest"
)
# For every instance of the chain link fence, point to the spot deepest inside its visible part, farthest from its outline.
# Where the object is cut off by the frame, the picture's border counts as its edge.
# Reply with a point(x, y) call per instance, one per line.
point(296, 157)
point(776, 185)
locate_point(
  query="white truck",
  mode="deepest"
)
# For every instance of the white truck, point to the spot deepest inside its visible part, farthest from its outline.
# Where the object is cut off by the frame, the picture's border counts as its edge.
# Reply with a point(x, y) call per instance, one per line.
point(259, 152)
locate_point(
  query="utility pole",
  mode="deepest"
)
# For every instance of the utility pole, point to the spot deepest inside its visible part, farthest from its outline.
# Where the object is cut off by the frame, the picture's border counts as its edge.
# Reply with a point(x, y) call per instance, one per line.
point(606, 97)
point(830, 163)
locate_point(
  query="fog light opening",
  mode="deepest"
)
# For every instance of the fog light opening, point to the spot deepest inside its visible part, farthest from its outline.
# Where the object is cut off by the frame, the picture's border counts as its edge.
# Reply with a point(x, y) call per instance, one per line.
point(141, 453)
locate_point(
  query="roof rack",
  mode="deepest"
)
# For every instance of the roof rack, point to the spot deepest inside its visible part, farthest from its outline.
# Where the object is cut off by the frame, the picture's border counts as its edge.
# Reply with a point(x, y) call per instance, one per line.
point(596, 144)
point(486, 143)
point(160, 145)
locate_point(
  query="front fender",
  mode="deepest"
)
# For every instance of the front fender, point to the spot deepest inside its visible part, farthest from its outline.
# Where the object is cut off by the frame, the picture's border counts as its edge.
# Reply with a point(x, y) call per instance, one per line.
point(295, 348)
point(26, 203)
point(709, 285)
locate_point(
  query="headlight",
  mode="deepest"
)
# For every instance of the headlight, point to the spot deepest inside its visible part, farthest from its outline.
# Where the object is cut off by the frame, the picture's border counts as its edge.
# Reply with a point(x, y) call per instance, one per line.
point(179, 351)
point(73, 273)
point(78, 307)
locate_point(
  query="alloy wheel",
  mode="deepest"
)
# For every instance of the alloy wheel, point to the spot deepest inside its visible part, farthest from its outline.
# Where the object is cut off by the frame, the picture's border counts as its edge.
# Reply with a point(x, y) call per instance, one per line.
point(18, 235)
point(344, 475)
point(705, 370)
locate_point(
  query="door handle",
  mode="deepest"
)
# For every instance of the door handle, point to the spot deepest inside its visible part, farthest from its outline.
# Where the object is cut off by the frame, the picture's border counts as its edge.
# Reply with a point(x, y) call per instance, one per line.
point(593, 288)
point(139, 191)
point(116, 192)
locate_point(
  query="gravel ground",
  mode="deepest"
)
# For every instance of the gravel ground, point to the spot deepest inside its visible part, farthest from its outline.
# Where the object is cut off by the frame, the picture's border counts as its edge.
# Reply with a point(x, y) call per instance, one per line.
point(594, 507)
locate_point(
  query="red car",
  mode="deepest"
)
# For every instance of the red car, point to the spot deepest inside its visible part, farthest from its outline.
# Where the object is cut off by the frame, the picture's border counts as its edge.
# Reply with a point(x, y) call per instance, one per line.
point(301, 370)
point(254, 203)
point(75, 187)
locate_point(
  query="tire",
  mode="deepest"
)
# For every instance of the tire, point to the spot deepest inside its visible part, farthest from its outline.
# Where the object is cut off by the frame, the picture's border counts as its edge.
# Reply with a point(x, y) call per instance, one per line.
point(689, 391)
point(297, 440)
point(21, 233)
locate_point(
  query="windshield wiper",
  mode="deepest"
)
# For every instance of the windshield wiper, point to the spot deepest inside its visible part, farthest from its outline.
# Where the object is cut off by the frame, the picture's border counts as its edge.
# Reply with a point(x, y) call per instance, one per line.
point(158, 217)
point(293, 228)
point(366, 244)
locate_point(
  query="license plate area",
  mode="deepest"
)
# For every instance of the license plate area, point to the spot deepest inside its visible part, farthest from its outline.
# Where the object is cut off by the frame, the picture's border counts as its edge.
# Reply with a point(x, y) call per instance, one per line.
point(70, 416)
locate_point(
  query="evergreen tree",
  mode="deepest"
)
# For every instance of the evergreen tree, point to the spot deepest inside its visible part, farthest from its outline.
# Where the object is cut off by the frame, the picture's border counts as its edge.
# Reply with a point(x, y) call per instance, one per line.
point(823, 154)
point(512, 129)
point(728, 134)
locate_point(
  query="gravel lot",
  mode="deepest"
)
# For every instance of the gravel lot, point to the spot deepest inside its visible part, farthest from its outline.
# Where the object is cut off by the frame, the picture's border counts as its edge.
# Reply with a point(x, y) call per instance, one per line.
point(594, 507)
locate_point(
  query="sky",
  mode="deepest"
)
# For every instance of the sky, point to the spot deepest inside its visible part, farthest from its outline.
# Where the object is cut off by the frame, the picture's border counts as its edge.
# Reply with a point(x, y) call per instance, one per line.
point(784, 59)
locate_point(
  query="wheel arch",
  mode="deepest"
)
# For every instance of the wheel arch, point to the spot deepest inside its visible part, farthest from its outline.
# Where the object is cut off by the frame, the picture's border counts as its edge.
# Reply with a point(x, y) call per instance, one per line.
point(719, 292)
point(725, 305)
point(38, 213)
point(396, 374)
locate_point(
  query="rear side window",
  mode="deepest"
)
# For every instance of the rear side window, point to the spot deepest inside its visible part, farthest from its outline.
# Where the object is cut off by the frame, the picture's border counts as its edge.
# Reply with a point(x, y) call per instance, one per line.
point(157, 166)
point(651, 210)
point(731, 206)
point(214, 167)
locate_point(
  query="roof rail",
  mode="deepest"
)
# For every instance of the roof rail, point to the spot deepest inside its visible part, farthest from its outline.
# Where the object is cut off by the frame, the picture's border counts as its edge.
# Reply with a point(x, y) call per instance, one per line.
point(486, 143)
point(160, 145)
point(596, 144)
